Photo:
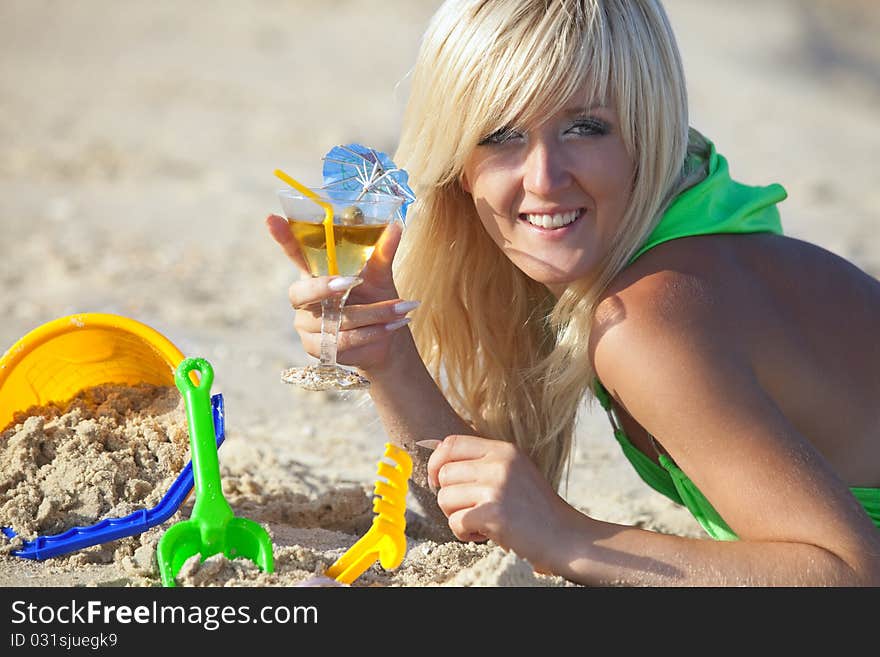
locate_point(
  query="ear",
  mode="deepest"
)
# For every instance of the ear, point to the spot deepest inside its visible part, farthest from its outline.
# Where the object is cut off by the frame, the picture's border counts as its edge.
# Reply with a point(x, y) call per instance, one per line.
point(463, 181)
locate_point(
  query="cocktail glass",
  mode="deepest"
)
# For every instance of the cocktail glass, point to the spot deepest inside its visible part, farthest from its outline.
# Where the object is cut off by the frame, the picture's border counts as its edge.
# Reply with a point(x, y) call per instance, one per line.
point(359, 219)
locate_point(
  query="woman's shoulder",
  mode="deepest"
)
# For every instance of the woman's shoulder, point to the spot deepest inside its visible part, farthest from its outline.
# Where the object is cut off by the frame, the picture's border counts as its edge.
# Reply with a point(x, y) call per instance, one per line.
point(681, 293)
point(712, 281)
point(667, 338)
point(675, 282)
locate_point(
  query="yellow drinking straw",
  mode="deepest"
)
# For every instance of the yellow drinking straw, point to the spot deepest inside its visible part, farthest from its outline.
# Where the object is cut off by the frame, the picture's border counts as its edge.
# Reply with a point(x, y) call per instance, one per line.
point(332, 267)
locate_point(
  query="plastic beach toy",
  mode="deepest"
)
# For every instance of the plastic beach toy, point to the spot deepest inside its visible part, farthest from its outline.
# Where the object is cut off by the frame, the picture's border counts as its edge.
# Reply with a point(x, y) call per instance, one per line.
point(385, 540)
point(58, 359)
point(212, 528)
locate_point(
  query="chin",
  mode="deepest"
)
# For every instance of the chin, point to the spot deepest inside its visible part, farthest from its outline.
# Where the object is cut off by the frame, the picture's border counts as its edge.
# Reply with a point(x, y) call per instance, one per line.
point(552, 275)
point(552, 268)
point(556, 282)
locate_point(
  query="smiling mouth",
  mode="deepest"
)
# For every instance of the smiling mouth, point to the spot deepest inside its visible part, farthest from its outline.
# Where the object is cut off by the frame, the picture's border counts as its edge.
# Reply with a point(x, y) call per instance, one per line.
point(553, 221)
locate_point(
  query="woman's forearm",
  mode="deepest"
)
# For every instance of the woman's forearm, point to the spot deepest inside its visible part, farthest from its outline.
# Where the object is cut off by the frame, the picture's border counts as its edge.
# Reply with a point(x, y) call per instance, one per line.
point(605, 554)
point(412, 408)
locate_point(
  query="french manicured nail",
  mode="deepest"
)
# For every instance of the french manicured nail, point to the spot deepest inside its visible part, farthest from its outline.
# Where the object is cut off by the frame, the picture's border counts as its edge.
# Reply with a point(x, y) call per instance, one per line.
point(404, 307)
point(429, 444)
point(344, 283)
point(400, 323)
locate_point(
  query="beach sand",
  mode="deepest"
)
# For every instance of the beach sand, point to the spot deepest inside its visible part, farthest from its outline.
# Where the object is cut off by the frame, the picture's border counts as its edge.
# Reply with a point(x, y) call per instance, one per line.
point(137, 147)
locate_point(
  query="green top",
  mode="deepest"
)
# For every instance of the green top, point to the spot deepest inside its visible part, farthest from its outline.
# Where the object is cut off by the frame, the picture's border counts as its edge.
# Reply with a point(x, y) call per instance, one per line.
point(716, 205)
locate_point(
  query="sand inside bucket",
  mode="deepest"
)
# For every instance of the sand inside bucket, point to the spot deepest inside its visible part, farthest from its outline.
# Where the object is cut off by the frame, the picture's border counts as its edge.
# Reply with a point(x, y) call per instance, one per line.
point(109, 451)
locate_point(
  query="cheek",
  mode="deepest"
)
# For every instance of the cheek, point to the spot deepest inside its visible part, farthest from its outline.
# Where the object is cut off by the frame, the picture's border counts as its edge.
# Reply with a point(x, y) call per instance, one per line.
point(494, 195)
point(482, 183)
point(490, 220)
point(491, 179)
point(609, 181)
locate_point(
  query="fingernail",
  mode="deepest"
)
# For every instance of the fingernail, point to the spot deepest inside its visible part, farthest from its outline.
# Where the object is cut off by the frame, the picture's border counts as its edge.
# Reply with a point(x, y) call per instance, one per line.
point(429, 444)
point(344, 283)
point(405, 306)
point(393, 326)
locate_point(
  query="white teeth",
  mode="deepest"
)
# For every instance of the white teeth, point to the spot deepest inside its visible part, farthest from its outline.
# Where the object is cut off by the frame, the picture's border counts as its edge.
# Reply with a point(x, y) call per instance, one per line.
point(552, 220)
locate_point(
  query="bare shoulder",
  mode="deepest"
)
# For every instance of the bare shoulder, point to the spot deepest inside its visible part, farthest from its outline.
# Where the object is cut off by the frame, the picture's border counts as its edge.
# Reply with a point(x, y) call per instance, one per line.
point(766, 300)
point(673, 336)
point(676, 296)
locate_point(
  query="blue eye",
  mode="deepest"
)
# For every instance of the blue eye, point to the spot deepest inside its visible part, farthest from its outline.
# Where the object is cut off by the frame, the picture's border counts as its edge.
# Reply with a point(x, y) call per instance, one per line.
point(589, 127)
point(500, 136)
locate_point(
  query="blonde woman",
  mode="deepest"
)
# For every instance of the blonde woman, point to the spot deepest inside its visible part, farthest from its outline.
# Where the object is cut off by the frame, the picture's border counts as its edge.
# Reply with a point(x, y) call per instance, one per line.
point(573, 236)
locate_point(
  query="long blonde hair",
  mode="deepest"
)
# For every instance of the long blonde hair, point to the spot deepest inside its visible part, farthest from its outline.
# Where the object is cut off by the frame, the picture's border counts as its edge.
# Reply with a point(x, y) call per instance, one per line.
point(512, 359)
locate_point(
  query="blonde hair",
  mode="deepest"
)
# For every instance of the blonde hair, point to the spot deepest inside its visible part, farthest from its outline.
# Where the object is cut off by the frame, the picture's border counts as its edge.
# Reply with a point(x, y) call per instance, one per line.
point(511, 359)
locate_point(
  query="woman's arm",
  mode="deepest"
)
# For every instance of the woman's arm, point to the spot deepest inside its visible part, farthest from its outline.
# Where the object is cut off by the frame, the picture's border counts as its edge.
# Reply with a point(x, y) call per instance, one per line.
point(616, 555)
point(675, 363)
point(412, 408)
point(680, 366)
point(489, 489)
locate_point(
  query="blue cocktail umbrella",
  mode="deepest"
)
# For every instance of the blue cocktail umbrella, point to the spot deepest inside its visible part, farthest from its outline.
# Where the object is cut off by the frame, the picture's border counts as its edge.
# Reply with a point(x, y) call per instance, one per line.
point(354, 167)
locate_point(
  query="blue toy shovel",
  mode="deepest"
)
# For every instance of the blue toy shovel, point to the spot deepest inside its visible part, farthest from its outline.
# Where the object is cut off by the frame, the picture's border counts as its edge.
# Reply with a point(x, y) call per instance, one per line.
point(212, 528)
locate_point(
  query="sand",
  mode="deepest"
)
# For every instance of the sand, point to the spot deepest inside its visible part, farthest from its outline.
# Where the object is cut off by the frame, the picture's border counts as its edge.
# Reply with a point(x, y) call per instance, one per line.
point(113, 450)
point(108, 452)
point(137, 146)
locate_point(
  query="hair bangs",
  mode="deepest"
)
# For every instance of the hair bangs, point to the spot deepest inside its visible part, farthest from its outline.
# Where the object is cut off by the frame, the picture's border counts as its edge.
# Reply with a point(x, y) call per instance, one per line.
point(534, 63)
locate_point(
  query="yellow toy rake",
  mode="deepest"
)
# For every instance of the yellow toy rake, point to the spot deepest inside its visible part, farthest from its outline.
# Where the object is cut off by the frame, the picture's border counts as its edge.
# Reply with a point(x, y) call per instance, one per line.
point(385, 540)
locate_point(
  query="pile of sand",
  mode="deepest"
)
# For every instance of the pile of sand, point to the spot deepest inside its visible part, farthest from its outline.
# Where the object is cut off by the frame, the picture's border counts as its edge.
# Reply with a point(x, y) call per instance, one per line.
point(115, 449)
point(109, 451)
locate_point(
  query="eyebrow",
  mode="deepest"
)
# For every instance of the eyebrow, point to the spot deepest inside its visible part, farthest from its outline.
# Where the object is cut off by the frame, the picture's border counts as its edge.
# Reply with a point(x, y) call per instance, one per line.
point(581, 110)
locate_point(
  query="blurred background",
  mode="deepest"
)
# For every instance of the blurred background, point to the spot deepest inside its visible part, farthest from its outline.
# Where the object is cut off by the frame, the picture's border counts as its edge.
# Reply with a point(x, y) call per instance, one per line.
point(138, 141)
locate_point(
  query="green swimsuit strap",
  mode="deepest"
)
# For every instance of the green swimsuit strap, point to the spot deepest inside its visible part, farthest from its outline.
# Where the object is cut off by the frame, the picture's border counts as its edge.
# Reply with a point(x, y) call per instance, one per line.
point(652, 474)
point(667, 478)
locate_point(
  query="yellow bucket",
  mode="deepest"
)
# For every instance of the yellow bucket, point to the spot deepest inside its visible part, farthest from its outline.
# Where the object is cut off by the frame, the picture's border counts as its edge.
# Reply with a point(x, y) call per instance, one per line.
point(58, 359)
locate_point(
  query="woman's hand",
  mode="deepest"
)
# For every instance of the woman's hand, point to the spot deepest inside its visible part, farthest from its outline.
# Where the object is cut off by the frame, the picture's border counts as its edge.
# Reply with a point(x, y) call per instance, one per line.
point(489, 489)
point(373, 311)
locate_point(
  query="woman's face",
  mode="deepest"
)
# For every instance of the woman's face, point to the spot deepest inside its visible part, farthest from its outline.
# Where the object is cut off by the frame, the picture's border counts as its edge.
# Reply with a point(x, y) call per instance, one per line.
point(552, 197)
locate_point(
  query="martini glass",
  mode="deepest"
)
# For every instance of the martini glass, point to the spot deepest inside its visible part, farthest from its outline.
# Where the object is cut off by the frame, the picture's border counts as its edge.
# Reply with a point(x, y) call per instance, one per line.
point(358, 221)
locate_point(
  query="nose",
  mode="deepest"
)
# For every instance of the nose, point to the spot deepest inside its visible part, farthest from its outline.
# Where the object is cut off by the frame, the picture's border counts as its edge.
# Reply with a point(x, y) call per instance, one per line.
point(545, 169)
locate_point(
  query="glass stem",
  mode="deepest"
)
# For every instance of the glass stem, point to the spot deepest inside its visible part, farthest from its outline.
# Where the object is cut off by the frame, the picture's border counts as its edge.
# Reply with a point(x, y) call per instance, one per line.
point(331, 318)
